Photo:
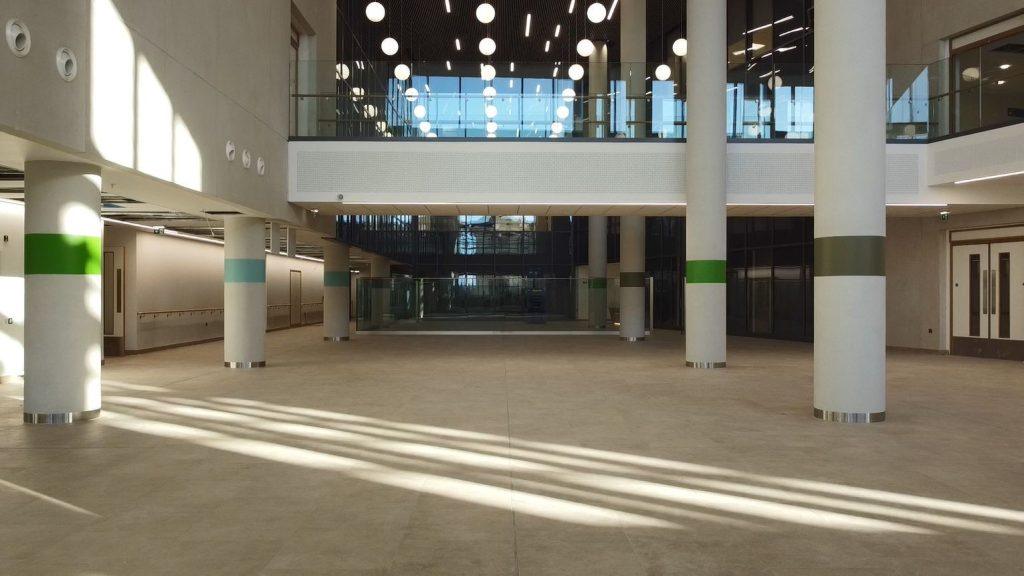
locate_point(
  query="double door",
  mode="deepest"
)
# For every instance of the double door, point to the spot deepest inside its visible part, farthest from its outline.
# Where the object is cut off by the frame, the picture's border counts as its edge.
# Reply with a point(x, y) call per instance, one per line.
point(988, 299)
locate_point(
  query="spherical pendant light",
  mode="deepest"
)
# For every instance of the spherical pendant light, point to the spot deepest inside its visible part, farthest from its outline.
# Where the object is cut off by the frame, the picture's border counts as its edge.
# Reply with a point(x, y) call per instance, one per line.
point(389, 46)
point(382, 126)
point(411, 94)
point(485, 13)
point(487, 72)
point(402, 72)
point(491, 111)
point(585, 48)
point(776, 82)
point(596, 12)
point(343, 71)
point(679, 47)
point(425, 127)
point(370, 110)
point(568, 95)
point(420, 111)
point(557, 127)
point(490, 92)
point(576, 72)
point(492, 127)
point(375, 11)
point(487, 46)
point(357, 94)
point(663, 72)
point(562, 112)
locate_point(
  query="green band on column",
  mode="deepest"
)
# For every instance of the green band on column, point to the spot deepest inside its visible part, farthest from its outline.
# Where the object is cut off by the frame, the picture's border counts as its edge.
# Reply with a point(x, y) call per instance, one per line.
point(705, 271)
point(598, 283)
point(632, 280)
point(342, 279)
point(245, 271)
point(849, 256)
point(63, 254)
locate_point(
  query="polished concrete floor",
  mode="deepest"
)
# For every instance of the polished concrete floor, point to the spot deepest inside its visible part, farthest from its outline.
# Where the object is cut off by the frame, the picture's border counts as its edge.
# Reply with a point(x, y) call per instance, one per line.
point(530, 455)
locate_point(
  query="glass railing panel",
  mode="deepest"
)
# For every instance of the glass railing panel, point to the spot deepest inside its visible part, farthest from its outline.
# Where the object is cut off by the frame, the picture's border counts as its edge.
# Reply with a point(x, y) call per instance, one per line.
point(768, 99)
point(468, 303)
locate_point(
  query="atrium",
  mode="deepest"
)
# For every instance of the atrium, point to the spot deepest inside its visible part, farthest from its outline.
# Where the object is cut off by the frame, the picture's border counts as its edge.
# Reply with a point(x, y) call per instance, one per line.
point(511, 287)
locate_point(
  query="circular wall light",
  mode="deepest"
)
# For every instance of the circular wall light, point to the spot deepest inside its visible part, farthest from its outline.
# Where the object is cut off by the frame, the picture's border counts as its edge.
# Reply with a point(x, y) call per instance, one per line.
point(246, 159)
point(487, 72)
point(576, 72)
point(490, 92)
point(389, 46)
point(411, 94)
point(492, 127)
point(585, 48)
point(596, 12)
point(261, 166)
point(402, 72)
point(67, 64)
point(562, 112)
point(568, 95)
point(487, 46)
point(679, 47)
point(229, 151)
point(663, 72)
point(425, 127)
point(491, 111)
point(375, 11)
point(485, 13)
point(19, 39)
point(420, 111)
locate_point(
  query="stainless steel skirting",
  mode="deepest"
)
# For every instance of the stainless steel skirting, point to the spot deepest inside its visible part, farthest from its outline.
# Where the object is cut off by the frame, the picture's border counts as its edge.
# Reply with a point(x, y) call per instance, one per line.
point(335, 338)
point(705, 365)
point(245, 364)
point(61, 417)
point(632, 338)
point(849, 417)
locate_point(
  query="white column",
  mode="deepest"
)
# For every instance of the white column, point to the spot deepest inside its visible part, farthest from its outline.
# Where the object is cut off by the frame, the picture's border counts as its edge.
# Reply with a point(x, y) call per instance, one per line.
point(597, 263)
point(705, 184)
point(632, 285)
point(849, 211)
point(633, 57)
point(380, 296)
point(598, 104)
point(337, 292)
point(245, 292)
point(276, 235)
point(292, 239)
point(63, 292)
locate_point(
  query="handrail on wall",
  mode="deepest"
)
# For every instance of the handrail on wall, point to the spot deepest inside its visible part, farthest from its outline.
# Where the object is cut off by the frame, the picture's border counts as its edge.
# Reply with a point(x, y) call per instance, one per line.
point(193, 311)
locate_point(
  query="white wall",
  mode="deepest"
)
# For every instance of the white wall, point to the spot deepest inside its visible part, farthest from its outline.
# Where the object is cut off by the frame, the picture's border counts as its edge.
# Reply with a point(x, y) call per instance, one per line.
point(175, 288)
point(12, 289)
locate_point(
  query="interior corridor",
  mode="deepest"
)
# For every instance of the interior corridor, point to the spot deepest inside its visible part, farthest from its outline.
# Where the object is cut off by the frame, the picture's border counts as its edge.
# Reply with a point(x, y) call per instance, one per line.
point(515, 455)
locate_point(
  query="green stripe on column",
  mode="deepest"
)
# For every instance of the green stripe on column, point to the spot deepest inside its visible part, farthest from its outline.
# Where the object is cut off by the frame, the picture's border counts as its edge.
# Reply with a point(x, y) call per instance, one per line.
point(849, 256)
point(598, 283)
point(63, 254)
point(245, 271)
point(632, 280)
point(342, 279)
point(705, 271)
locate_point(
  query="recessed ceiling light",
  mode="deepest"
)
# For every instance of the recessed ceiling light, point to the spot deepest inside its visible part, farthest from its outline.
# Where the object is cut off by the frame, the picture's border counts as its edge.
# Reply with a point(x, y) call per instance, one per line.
point(558, 30)
point(572, 6)
point(1004, 66)
point(529, 19)
point(448, 6)
point(547, 45)
point(611, 11)
point(458, 44)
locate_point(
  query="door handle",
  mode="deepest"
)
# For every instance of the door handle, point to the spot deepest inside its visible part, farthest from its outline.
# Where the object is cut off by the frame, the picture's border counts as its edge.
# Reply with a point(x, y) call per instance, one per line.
point(992, 286)
point(984, 292)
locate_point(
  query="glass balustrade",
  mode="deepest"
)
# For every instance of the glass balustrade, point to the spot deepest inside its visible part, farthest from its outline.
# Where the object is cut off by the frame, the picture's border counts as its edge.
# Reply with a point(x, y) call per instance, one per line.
point(769, 101)
point(468, 303)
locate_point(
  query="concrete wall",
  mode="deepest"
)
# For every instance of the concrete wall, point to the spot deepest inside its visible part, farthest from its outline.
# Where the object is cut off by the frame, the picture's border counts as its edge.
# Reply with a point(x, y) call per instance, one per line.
point(162, 86)
point(175, 288)
point(12, 289)
point(917, 29)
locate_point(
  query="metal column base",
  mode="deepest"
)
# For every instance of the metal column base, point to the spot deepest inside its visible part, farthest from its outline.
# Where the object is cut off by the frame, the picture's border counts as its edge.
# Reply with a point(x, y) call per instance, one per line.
point(705, 365)
point(62, 417)
point(335, 338)
point(849, 417)
point(245, 365)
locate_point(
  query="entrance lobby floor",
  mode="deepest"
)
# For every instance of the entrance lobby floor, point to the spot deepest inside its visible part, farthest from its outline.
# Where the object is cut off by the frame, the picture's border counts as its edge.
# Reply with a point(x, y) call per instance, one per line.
point(524, 455)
